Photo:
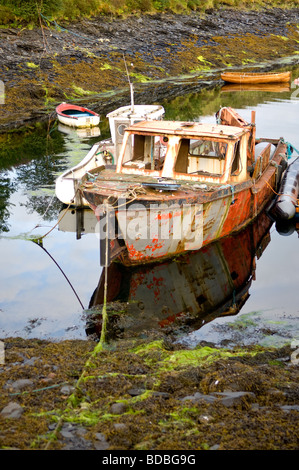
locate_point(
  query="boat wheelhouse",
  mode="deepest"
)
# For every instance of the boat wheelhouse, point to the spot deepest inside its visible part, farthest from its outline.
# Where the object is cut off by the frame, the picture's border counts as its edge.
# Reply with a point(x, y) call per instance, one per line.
point(181, 185)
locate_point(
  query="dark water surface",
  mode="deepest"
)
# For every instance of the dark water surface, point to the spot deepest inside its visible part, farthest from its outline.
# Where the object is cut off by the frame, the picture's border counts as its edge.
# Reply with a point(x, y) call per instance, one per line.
point(40, 299)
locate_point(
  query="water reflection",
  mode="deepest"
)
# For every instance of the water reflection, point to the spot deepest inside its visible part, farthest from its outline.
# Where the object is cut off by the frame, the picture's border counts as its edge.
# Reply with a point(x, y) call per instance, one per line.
point(263, 87)
point(79, 221)
point(189, 291)
point(35, 300)
point(288, 227)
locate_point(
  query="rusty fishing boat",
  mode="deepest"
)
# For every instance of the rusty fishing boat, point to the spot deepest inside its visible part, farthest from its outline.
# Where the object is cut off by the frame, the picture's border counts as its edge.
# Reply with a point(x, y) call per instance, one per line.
point(179, 186)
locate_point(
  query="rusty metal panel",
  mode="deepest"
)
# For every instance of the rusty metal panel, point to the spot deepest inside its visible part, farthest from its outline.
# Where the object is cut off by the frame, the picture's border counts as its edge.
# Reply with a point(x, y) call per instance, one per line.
point(161, 230)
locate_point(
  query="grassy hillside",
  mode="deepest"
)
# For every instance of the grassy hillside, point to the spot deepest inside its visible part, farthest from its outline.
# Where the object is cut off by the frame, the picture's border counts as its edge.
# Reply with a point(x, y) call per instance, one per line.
point(20, 12)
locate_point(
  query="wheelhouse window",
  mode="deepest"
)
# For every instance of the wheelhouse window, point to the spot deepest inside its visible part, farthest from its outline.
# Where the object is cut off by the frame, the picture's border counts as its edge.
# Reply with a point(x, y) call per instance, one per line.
point(198, 156)
point(237, 164)
point(145, 152)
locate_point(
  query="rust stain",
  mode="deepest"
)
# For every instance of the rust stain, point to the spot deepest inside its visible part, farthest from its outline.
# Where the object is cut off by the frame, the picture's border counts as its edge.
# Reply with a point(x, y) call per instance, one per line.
point(164, 216)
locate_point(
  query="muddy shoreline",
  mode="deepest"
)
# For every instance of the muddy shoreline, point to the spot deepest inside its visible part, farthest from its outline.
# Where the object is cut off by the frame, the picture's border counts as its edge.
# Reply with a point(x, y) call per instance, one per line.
point(166, 55)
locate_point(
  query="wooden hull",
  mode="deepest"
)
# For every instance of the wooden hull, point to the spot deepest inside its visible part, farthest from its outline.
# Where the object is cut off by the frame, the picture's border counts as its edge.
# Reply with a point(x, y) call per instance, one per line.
point(255, 78)
point(76, 116)
point(154, 225)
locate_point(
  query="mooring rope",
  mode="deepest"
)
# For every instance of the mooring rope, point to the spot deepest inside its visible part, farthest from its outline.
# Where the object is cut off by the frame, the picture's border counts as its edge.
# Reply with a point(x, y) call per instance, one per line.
point(73, 399)
point(290, 148)
point(280, 194)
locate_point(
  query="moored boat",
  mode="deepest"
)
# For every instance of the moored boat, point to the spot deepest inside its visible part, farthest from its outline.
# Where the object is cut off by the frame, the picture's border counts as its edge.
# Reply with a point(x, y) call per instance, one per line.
point(247, 77)
point(105, 152)
point(179, 186)
point(76, 116)
point(286, 203)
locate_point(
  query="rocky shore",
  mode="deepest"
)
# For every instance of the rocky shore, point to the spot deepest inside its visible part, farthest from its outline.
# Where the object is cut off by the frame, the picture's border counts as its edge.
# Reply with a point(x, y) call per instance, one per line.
point(164, 54)
point(147, 395)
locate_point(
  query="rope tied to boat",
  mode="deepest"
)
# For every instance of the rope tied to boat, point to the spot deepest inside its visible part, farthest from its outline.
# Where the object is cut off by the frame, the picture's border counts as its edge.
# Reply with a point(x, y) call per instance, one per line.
point(135, 191)
point(281, 194)
point(290, 148)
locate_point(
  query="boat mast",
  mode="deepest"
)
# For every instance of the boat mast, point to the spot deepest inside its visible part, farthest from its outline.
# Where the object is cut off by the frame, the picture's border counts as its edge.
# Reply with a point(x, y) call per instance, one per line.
point(131, 85)
point(132, 96)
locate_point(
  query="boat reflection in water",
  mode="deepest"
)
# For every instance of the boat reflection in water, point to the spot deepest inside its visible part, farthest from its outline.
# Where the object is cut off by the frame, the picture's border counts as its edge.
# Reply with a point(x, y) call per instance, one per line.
point(77, 220)
point(264, 87)
point(288, 227)
point(183, 293)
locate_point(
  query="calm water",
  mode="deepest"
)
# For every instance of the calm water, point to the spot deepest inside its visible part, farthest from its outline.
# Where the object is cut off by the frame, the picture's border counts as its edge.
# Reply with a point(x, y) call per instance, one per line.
point(40, 299)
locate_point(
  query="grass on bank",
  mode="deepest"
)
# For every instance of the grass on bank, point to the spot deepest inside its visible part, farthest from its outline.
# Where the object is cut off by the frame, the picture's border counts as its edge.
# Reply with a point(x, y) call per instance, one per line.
point(16, 12)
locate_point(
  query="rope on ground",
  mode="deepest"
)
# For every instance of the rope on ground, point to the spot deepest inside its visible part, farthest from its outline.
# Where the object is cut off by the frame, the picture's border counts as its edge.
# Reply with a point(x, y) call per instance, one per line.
point(25, 392)
point(74, 400)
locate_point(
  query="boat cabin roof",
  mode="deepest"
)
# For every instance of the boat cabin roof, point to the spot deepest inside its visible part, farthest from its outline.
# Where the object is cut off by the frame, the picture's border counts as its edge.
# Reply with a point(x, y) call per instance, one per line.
point(192, 129)
point(185, 150)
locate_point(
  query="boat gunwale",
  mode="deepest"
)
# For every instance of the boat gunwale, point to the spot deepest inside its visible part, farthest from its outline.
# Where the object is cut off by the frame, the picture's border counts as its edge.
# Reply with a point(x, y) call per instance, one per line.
point(65, 106)
point(186, 185)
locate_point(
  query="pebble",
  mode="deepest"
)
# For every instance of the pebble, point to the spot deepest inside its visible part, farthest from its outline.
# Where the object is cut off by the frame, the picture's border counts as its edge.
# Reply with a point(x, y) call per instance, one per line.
point(139, 391)
point(12, 411)
point(200, 396)
point(204, 419)
point(227, 398)
point(67, 390)
point(73, 436)
point(215, 447)
point(21, 384)
point(233, 398)
point(31, 361)
point(101, 443)
point(118, 408)
point(119, 426)
point(288, 408)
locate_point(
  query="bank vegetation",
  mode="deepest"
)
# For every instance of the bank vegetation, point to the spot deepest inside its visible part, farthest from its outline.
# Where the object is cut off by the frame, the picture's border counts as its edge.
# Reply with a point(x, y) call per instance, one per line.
point(18, 12)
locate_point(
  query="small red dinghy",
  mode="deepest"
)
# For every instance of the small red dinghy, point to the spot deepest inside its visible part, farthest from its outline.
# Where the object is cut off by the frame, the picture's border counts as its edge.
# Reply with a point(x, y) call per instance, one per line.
point(76, 116)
